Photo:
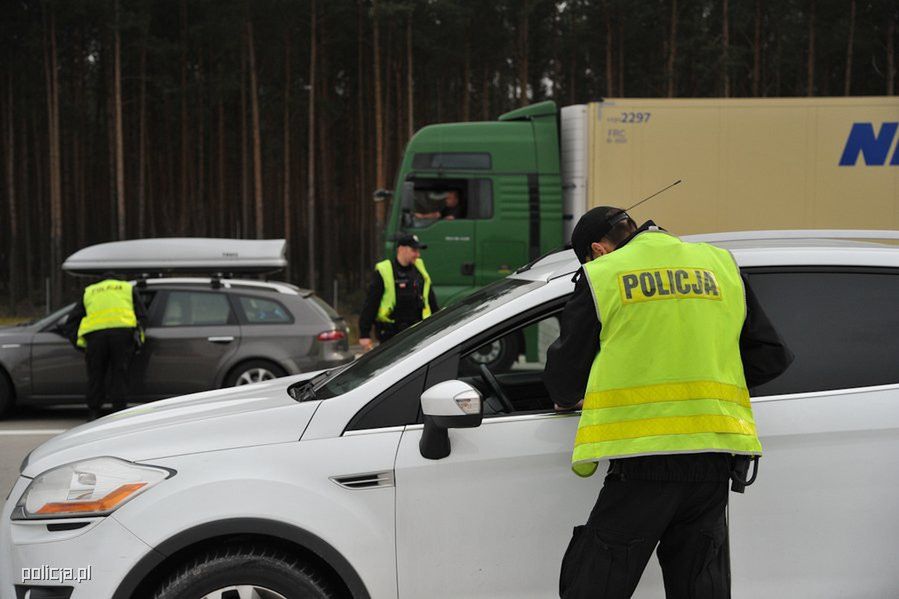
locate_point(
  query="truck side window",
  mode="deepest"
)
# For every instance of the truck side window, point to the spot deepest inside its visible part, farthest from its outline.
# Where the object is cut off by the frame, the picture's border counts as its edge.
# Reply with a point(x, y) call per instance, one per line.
point(434, 200)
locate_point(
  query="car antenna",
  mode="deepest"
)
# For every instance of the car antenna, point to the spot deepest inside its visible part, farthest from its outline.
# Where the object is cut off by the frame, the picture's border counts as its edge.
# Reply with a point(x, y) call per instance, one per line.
point(652, 196)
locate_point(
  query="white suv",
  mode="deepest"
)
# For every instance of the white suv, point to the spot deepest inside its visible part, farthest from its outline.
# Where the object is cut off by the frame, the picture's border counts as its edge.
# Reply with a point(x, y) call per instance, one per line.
point(318, 485)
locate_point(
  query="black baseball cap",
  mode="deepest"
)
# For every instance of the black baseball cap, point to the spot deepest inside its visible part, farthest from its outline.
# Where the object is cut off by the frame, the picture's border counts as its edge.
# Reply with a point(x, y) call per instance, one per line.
point(592, 227)
point(412, 241)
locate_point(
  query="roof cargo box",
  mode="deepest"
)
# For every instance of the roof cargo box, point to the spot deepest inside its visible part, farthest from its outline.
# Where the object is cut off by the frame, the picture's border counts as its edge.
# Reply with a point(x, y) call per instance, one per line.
point(179, 255)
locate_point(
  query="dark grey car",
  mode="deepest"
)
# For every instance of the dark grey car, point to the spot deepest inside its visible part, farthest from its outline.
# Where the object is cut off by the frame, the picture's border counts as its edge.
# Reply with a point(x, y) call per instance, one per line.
point(203, 334)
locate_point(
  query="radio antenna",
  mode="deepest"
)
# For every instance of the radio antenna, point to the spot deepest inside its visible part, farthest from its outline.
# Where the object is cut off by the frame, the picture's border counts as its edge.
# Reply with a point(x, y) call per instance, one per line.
point(652, 196)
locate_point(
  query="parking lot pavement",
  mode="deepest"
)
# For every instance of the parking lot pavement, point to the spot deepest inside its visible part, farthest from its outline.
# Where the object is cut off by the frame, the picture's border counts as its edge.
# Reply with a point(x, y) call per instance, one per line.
point(25, 430)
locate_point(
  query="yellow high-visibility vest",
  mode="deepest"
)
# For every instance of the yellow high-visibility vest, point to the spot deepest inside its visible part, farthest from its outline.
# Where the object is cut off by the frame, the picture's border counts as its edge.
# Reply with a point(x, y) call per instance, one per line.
point(109, 304)
point(388, 300)
point(668, 377)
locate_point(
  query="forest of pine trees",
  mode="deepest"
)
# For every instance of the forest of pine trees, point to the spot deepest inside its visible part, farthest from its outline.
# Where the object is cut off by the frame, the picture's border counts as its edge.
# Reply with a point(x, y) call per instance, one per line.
point(147, 118)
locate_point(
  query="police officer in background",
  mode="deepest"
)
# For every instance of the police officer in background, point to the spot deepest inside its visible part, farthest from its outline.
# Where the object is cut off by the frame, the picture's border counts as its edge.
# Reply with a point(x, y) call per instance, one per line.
point(109, 321)
point(658, 346)
point(400, 293)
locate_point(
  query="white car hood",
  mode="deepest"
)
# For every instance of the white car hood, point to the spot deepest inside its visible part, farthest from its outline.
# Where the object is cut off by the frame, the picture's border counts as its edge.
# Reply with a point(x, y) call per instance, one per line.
point(260, 414)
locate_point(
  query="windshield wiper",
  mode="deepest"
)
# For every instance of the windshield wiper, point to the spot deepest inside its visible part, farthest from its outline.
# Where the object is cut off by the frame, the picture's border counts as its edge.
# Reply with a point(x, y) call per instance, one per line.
point(305, 391)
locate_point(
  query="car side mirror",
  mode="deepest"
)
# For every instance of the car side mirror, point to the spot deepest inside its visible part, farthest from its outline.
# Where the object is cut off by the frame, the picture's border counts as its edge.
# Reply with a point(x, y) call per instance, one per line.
point(446, 405)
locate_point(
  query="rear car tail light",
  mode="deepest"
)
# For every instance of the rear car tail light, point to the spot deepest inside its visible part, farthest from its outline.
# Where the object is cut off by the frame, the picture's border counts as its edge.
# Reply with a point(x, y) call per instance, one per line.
point(331, 336)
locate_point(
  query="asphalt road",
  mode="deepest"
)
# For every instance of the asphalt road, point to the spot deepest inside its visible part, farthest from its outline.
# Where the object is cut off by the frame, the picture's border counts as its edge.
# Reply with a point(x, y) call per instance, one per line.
point(26, 429)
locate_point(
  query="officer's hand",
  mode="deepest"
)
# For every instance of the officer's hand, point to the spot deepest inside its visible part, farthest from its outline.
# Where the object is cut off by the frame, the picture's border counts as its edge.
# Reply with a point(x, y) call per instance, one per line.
point(578, 406)
point(365, 343)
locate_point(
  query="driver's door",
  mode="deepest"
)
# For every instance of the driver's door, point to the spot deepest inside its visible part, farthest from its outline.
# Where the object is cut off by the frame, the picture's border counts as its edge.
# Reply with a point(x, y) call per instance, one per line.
point(493, 519)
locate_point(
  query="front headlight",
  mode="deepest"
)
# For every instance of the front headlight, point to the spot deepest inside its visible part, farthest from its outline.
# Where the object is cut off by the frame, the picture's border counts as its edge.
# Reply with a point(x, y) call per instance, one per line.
point(95, 487)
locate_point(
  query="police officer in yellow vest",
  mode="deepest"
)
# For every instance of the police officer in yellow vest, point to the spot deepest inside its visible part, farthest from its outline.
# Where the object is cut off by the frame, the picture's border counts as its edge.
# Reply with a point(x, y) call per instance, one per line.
point(658, 346)
point(400, 293)
point(107, 319)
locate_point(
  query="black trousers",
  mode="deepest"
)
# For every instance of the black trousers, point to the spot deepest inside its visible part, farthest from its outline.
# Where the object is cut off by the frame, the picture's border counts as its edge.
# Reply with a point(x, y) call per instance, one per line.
point(606, 557)
point(108, 356)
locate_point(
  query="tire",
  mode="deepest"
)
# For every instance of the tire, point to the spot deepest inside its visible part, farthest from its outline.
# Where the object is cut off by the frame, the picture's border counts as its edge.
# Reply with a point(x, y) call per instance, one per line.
point(253, 371)
point(497, 356)
point(7, 400)
point(233, 573)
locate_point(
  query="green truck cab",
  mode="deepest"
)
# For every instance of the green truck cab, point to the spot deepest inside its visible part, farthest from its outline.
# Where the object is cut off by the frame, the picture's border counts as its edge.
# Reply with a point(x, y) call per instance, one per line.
point(506, 176)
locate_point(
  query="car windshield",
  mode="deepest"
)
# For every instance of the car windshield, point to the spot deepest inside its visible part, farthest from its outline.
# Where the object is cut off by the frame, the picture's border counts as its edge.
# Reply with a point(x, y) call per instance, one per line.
point(51, 319)
point(416, 338)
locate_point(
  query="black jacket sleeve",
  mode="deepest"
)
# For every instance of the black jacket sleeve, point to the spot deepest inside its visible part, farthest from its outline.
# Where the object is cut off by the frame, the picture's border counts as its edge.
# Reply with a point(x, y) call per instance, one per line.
point(570, 358)
point(73, 321)
point(765, 355)
point(370, 307)
point(140, 310)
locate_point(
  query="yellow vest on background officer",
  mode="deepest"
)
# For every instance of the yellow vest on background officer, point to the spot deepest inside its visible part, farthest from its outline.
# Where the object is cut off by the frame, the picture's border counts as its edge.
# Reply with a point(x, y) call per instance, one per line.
point(655, 345)
point(400, 295)
point(109, 321)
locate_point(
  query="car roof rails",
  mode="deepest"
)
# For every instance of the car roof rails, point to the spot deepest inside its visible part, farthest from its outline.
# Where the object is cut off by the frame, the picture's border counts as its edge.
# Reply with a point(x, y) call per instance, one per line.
point(794, 234)
point(146, 258)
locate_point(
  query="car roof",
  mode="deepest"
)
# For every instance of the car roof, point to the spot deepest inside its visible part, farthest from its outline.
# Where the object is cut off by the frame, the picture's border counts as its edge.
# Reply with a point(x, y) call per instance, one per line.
point(207, 282)
point(764, 248)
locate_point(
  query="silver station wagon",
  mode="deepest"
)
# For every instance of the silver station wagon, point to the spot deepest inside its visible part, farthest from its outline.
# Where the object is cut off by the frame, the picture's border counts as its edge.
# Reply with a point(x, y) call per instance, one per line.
point(203, 333)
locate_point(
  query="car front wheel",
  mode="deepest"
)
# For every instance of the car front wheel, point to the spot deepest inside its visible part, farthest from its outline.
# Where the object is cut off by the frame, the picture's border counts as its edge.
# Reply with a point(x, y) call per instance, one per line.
point(245, 573)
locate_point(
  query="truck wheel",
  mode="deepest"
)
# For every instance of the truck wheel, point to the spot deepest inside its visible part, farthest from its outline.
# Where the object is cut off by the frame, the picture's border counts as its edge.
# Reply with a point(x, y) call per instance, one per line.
point(6, 397)
point(253, 371)
point(244, 573)
point(497, 356)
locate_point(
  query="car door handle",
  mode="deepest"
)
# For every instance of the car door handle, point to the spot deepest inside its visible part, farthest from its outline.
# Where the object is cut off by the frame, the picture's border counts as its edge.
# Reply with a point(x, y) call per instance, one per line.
point(468, 268)
point(220, 339)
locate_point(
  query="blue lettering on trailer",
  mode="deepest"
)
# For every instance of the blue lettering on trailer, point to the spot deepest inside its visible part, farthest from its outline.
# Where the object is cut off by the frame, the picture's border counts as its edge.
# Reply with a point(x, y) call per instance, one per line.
point(874, 148)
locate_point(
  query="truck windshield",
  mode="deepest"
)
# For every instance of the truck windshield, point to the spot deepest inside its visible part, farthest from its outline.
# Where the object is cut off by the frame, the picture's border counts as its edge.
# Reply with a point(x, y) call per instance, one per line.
point(418, 337)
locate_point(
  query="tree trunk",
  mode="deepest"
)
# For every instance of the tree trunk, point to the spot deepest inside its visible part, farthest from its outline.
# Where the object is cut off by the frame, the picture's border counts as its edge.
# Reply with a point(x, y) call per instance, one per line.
point(410, 84)
point(810, 79)
point(119, 139)
point(847, 86)
point(466, 77)
point(310, 175)
point(257, 139)
point(891, 54)
point(184, 199)
point(244, 178)
point(485, 94)
point(725, 41)
point(11, 197)
point(287, 216)
point(52, 82)
point(610, 68)
point(380, 171)
point(222, 205)
point(142, 146)
point(672, 49)
point(621, 62)
point(523, 54)
point(757, 50)
point(362, 165)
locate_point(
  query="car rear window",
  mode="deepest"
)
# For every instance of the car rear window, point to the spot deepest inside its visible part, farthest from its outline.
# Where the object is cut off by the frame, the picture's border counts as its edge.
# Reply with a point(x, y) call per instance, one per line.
point(841, 325)
point(257, 310)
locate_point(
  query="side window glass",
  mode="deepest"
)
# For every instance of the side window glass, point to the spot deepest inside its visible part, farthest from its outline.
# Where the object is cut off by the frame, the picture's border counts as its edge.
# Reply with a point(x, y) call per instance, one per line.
point(428, 201)
point(257, 310)
point(516, 362)
point(840, 325)
point(191, 308)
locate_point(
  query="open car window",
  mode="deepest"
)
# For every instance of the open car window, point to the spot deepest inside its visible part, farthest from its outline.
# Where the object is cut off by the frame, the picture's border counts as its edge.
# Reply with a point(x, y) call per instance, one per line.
point(516, 361)
point(418, 337)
